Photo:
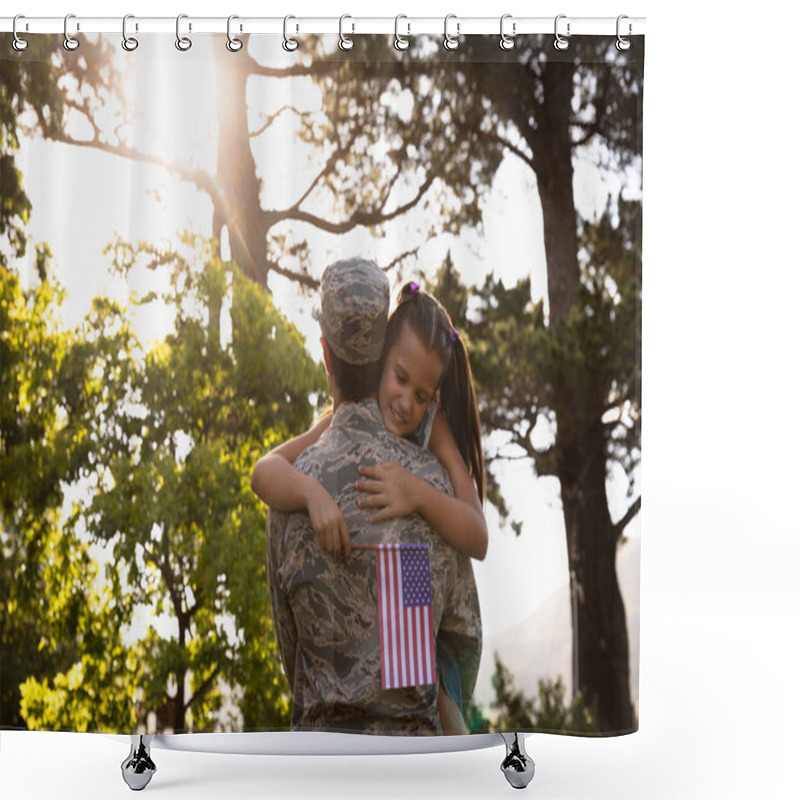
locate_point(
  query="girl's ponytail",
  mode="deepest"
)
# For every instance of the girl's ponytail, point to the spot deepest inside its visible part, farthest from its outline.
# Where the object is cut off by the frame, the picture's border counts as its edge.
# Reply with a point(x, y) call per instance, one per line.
point(458, 401)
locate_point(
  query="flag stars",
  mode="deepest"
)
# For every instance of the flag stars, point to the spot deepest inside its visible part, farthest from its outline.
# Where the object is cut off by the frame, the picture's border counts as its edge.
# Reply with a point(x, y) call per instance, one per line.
point(415, 564)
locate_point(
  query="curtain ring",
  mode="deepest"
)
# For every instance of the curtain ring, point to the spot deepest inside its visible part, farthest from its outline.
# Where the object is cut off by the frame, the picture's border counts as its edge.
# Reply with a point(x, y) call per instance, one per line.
point(401, 42)
point(623, 43)
point(507, 42)
point(70, 42)
point(451, 42)
point(234, 45)
point(19, 44)
point(561, 42)
point(129, 43)
point(183, 43)
point(345, 42)
point(290, 45)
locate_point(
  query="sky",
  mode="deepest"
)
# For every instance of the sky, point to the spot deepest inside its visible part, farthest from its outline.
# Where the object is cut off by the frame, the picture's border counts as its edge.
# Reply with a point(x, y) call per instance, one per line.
point(144, 202)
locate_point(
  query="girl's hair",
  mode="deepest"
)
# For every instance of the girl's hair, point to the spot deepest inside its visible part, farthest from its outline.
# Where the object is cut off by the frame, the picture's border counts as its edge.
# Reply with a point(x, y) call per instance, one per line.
point(430, 321)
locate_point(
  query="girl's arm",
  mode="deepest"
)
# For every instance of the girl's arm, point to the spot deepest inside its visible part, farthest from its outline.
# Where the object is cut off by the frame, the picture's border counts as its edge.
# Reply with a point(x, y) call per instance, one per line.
point(281, 486)
point(397, 492)
point(274, 478)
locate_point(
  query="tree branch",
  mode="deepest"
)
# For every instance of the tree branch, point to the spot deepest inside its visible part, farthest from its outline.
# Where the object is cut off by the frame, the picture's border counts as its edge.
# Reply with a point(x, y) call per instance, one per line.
point(198, 604)
point(302, 278)
point(330, 163)
point(398, 259)
point(316, 69)
point(627, 517)
point(169, 579)
point(272, 117)
point(359, 218)
point(200, 178)
point(389, 188)
point(521, 154)
point(545, 461)
point(203, 688)
point(590, 131)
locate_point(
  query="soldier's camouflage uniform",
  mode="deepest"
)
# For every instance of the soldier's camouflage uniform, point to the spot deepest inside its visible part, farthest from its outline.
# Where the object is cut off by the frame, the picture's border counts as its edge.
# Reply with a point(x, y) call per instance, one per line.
point(325, 610)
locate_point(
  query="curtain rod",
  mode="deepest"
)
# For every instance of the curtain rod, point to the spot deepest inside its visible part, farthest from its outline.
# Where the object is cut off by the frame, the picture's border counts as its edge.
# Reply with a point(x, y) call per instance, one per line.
point(407, 26)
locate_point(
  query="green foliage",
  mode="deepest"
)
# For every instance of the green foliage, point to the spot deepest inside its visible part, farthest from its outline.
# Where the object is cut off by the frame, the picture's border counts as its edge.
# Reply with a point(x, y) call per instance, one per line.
point(50, 611)
point(155, 450)
point(97, 692)
point(174, 501)
point(548, 712)
point(524, 367)
point(474, 718)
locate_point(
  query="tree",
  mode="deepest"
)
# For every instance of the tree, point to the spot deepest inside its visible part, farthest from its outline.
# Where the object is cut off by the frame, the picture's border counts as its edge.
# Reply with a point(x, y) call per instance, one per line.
point(50, 610)
point(174, 504)
point(581, 379)
point(578, 366)
point(418, 163)
point(548, 712)
point(163, 441)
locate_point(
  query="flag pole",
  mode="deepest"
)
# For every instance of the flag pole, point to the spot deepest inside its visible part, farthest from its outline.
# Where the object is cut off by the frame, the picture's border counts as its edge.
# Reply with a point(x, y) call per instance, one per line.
point(393, 545)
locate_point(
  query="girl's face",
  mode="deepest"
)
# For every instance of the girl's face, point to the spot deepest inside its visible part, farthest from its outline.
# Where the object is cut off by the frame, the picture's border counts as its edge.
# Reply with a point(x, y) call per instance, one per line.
point(408, 382)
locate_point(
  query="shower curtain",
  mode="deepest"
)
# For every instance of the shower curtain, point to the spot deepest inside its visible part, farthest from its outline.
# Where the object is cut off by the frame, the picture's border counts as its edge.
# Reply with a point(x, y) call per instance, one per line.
point(167, 215)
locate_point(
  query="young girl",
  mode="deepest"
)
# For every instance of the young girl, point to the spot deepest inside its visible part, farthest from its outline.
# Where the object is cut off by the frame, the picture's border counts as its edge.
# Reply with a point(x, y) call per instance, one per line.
point(426, 394)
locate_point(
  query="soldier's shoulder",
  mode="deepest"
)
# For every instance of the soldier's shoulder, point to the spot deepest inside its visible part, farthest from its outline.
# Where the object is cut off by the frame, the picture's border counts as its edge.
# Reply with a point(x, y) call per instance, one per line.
point(408, 453)
point(318, 454)
point(423, 463)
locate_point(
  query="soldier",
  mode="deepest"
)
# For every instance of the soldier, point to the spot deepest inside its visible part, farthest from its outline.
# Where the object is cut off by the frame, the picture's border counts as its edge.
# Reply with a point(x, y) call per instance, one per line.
point(325, 607)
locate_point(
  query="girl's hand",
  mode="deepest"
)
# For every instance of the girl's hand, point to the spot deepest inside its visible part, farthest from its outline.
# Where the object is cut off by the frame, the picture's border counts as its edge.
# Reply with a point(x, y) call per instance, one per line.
point(389, 488)
point(328, 522)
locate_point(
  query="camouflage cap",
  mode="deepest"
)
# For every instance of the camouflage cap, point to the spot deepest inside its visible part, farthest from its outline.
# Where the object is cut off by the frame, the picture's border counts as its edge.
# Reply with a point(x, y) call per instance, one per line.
point(354, 308)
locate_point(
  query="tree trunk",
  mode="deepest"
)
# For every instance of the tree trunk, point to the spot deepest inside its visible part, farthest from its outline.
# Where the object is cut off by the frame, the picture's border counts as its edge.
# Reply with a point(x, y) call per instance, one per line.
point(240, 206)
point(600, 634)
point(552, 162)
point(603, 667)
point(180, 696)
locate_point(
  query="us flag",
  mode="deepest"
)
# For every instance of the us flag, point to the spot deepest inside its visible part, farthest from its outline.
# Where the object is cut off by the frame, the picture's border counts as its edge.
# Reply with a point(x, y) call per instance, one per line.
point(408, 655)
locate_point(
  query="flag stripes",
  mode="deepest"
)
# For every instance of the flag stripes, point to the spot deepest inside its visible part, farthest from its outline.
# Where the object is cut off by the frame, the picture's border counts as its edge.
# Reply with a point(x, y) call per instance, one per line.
point(405, 616)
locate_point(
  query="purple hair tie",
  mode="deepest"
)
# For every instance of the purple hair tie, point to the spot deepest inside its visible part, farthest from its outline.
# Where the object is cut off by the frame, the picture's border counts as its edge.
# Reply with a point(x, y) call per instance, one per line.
point(453, 334)
point(413, 287)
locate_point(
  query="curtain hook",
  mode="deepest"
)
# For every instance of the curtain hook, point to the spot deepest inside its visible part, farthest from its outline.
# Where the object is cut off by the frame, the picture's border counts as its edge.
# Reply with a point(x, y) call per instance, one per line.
point(623, 43)
point(401, 42)
point(561, 42)
point(451, 42)
point(290, 45)
point(345, 42)
point(70, 42)
point(129, 43)
point(183, 43)
point(234, 45)
point(19, 44)
point(507, 42)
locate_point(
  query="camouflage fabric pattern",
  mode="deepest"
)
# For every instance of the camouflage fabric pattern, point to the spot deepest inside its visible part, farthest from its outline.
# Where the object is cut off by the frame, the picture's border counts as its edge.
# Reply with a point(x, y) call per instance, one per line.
point(354, 308)
point(326, 614)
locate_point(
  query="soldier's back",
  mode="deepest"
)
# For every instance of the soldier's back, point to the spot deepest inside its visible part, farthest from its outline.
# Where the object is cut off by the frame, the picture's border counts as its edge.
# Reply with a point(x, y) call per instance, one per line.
point(336, 665)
